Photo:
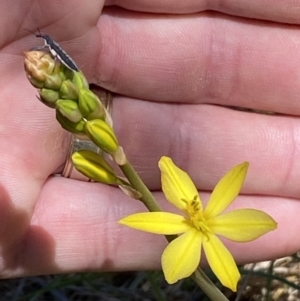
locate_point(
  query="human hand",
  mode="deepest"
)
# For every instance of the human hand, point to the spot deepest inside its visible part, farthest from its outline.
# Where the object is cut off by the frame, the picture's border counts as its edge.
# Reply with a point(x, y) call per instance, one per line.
point(170, 71)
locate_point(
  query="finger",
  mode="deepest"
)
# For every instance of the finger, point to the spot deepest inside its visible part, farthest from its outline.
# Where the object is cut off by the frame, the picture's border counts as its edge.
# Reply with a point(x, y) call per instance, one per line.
point(279, 11)
point(207, 141)
point(200, 58)
point(74, 228)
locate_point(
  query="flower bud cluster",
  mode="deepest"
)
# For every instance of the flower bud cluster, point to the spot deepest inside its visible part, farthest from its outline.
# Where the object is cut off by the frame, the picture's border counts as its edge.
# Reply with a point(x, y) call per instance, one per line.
point(78, 110)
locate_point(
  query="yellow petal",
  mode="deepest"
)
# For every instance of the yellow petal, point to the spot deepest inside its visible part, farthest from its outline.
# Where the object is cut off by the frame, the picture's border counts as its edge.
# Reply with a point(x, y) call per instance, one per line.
point(242, 225)
point(182, 256)
point(177, 185)
point(157, 222)
point(221, 262)
point(226, 190)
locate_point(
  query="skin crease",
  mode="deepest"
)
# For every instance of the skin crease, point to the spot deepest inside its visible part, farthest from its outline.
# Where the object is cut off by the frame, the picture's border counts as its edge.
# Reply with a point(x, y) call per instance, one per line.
point(172, 73)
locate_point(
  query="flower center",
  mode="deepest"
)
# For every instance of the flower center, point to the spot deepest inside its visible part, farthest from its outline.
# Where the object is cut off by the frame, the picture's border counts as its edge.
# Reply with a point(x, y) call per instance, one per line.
point(195, 213)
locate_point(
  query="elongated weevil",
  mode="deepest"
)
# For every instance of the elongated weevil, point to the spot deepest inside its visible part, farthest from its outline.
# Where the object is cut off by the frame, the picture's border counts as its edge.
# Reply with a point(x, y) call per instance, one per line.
point(56, 51)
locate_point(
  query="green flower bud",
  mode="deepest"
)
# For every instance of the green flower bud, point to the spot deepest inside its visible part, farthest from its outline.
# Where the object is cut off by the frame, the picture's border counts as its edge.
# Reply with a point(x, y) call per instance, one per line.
point(72, 127)
point(69, 109)
point(102, 135)
point(37, 84)
point(68, 90)
point(94, 167)
point(53, 82)
point(90, 105)
point(80, 81)
point(49, 97)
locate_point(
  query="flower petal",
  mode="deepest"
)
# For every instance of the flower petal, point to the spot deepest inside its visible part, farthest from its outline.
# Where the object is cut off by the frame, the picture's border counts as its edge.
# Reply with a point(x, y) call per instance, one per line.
point(221, 262)
point(226, 190)
point(182, 256)
point(177, 185)
point(242, 225)
point(157, 222)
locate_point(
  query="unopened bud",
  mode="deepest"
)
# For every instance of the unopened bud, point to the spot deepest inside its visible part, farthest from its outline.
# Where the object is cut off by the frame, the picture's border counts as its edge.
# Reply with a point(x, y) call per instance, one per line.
point(80, 81)
point(37, 84)
point(68, 90)
point(90, 105)
point(72, 127)
point(94, 167)
point(49, 97)
point(53, 81)
point(42, 70)
point(38, 65)
point(102, 135)
point(69, 109)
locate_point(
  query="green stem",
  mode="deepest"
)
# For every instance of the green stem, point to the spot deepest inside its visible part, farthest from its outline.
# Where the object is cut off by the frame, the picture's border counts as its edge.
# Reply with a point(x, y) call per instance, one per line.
point(207, 286)
point(150, 202)
point(136, 182)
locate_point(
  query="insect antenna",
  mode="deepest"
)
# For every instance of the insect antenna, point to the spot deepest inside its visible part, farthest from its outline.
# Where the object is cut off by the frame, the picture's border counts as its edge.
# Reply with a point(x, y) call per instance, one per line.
point(29, 31)
point(39, 35)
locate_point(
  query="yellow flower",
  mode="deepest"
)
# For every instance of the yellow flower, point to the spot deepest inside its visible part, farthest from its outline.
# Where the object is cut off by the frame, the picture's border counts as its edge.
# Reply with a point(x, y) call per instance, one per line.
point(199, 227)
